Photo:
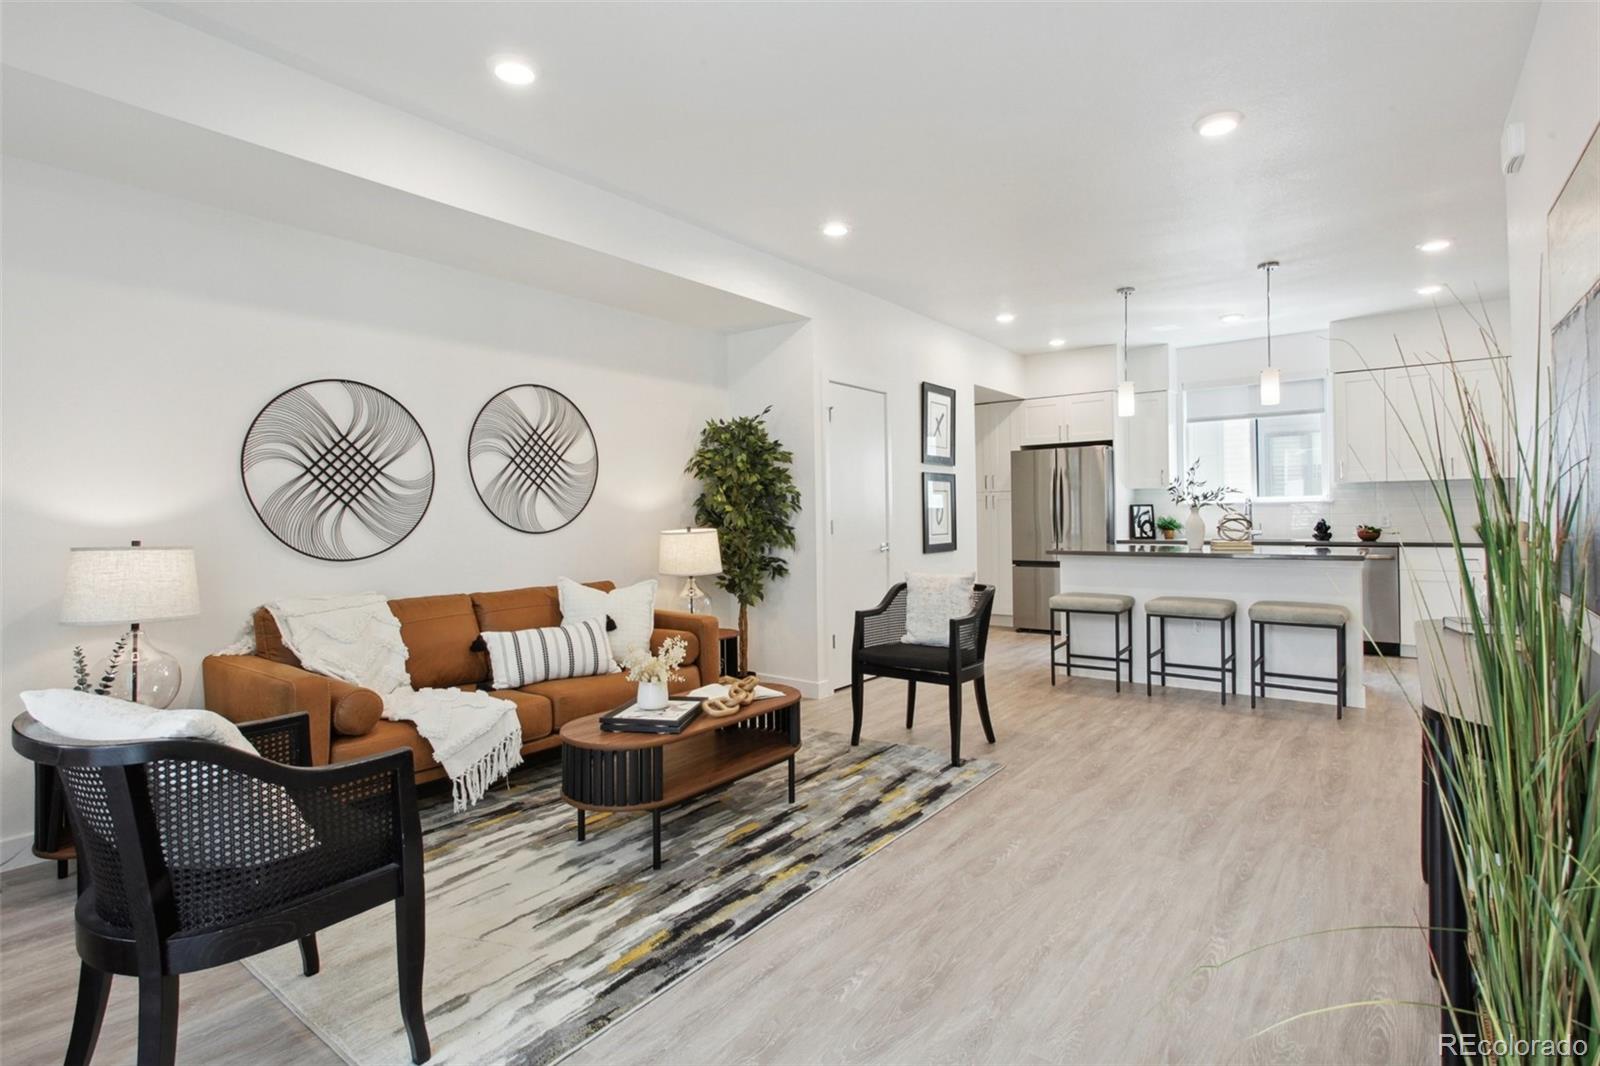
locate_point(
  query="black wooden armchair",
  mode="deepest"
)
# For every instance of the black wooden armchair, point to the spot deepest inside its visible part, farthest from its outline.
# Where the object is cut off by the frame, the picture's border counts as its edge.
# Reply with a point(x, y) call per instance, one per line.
point(877, 650)
point(192, 854)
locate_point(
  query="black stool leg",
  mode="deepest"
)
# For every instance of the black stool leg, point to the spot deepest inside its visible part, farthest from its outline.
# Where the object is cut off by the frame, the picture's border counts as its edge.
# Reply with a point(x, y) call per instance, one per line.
point(911, 703)
point(94, 988)
point(1116, 649)
point(1066, 639)
point(1222, 658)
point(1233, 660)
point(1252, 664)
point(1163, 651)
point(1052, 647)
point(1149, 657)
point(1339, 707)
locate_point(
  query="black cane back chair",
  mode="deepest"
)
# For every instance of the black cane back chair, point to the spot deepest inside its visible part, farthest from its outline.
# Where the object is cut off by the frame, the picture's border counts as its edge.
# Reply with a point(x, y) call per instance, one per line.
point(192, 854)
point(877, 650)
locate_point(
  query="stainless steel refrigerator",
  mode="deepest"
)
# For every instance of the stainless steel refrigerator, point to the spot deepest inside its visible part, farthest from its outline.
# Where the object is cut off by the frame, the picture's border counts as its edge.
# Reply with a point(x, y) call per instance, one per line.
point(1061, 497)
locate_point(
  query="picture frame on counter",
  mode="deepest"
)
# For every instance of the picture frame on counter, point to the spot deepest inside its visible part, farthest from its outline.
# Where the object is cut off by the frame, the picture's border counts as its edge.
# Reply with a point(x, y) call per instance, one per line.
point(938, 513)
point(938, 425)
point(1141, 521)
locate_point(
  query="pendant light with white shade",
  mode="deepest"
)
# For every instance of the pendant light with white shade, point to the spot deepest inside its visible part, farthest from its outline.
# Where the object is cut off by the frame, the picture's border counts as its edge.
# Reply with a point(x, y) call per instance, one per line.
point(1271, 391)
point(1125, 397)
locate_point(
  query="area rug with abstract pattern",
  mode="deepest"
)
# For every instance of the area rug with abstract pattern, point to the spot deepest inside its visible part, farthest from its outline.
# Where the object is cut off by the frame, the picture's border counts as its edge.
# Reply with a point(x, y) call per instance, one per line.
point(537, 942)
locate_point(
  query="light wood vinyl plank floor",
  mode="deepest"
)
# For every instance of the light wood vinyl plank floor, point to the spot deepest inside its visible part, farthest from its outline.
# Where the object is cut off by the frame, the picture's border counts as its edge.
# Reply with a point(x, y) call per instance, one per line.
point(1113, 895)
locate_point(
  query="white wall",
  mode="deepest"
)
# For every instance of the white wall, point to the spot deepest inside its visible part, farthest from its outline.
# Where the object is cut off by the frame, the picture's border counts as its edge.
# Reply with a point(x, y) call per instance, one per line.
point(1558, 103)
point(1425, 334)
point(385, 322)
point(1091, 369)
point(141, 336)
point(1295, 354)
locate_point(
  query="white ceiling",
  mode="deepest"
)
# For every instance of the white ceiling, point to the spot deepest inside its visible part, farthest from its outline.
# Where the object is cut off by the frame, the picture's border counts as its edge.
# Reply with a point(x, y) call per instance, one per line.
point(992, 157)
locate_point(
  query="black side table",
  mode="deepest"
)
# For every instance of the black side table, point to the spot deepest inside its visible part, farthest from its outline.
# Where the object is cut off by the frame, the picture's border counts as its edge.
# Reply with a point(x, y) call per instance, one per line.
point(728, 641)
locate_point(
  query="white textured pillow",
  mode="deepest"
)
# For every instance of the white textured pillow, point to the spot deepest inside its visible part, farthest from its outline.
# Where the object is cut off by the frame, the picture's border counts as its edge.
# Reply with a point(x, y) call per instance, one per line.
point(527, 656)
point(633, 609)
point(931, 601)
point(86, 716)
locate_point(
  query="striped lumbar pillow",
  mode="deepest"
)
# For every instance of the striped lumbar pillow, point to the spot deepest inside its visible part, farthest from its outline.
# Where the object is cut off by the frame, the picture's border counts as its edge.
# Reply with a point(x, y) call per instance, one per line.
point(527, 656)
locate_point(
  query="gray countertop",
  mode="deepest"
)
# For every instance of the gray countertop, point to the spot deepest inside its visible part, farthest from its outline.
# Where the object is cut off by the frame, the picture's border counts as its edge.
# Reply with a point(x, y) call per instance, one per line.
point(1268, 552)
point(1381, 542)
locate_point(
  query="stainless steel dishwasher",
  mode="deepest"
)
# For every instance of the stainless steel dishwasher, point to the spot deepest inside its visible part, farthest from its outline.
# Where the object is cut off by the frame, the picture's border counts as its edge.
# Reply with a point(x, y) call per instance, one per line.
point(1380, 598)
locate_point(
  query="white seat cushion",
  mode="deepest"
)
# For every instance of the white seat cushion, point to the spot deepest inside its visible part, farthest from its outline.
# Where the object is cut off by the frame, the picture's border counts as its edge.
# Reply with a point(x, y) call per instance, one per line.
point(86, 716)
point(1104, 602)
point(1190, 607)
point(1313, 614)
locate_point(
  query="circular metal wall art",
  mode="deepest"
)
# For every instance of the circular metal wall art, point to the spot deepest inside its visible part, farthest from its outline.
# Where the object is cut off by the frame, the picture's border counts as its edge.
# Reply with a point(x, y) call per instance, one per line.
point(533, 458)
point(337, 470)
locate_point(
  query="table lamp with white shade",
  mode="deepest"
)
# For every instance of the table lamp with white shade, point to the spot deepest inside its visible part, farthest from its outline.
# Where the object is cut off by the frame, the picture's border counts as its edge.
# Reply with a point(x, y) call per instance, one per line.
point(130, 586)
point(690, 553)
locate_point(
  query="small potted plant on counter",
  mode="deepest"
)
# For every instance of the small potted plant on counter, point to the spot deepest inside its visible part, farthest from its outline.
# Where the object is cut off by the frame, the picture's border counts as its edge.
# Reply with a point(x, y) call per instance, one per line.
point(1369, 533)
point(1169, 526)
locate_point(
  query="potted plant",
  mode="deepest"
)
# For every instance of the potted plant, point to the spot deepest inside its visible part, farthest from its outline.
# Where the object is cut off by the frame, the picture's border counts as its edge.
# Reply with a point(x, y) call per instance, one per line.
point(1368, 533)
point(1191, 490)
point(1169, 526)
point(655, 672)
point(748, 495)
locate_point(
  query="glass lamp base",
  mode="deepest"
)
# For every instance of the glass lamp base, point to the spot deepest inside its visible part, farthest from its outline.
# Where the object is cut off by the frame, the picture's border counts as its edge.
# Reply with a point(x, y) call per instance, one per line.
point(159, 676)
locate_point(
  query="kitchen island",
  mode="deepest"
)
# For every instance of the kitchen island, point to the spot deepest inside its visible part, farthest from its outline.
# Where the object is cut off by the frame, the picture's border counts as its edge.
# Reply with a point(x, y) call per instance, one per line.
point(1286, 572)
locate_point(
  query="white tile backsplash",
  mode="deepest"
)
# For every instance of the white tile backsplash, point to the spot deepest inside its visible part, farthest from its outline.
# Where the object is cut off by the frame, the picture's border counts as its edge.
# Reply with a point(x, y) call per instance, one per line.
point(1407, 510)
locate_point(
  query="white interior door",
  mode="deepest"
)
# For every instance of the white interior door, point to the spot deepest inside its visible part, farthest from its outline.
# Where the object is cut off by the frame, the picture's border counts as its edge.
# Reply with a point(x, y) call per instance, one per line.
point(857, 440)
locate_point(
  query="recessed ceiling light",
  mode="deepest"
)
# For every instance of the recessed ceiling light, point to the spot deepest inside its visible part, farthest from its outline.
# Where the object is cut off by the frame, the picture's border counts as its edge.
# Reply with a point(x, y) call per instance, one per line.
point(1231, 317)
point(1058, 342)
point(1167, 328)
point(513, 71)
point(836, 228)
point(1219, 124)
point(1005, 318)
point(1438, 244)
point(1430, 290)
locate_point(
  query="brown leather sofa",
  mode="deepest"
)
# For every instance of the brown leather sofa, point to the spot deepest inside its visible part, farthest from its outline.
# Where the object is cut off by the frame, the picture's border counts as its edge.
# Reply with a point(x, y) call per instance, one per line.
point(441, 634)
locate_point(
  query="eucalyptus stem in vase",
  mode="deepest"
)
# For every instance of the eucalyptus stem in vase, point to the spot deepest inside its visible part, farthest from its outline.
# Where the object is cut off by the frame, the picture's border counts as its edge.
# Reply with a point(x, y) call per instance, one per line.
point(1192, 490)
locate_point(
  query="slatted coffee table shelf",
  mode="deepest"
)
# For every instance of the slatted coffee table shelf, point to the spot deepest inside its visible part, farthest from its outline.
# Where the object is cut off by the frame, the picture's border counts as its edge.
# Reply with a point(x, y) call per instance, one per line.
point(603, 771)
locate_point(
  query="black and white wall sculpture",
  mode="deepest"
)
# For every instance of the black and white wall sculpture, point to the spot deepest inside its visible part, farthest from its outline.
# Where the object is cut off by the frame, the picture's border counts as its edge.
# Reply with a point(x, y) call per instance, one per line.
point(533, 458)
point(337, 470)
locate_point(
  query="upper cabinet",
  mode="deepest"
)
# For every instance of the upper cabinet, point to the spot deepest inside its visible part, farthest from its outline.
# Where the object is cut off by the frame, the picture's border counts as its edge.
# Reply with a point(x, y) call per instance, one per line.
point(1144, 458)
point(1042, 421)
point(1405, 423)
point(1091, 416)
point(994, 431)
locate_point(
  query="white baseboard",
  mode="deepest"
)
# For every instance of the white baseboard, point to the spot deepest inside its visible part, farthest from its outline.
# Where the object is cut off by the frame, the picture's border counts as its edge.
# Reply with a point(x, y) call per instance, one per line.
point(811, 690)
point(17, 852)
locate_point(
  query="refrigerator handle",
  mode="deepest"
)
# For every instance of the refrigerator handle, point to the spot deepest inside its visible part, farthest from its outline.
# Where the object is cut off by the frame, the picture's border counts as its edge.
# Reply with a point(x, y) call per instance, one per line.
point(1055, 500)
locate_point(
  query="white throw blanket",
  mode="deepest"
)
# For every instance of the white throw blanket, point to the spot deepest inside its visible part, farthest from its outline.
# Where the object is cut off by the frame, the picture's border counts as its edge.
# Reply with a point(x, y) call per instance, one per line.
point(356, 638)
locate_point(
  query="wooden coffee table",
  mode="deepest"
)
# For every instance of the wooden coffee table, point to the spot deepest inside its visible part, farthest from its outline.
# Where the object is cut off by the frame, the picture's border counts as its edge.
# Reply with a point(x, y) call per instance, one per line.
point(603, 771)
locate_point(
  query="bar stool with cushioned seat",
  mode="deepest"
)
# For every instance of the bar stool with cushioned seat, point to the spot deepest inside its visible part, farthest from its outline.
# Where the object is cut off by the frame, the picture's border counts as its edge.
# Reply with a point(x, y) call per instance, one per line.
point(1201, 609)
point(1264, 613)
point(1067, 604)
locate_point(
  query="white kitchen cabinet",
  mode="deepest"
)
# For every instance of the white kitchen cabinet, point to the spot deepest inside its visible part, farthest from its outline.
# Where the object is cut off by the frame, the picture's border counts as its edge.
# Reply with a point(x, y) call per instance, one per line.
point(1482, 380)
point(1430, 587)
point(1143, 458)
point(994, 547)
point(1042, 420)
point(1417, 421)
point(993, 433)
point(1359, 426)
point(1091, 416)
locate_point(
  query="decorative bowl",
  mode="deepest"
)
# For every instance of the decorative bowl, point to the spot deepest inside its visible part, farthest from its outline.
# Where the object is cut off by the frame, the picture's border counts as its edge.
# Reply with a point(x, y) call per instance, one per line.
point(1368, 533)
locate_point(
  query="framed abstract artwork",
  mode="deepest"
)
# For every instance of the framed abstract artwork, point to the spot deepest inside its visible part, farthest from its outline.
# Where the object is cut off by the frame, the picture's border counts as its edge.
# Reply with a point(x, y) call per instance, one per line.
point(337, 470)
point(1141, 521)
point(938, 513)
point(533, 458)
point(938, 425)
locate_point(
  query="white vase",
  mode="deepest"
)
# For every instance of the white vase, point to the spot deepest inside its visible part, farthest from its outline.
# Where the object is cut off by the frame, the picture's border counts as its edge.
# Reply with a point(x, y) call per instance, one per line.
point(1195, 527)
point(652, 695)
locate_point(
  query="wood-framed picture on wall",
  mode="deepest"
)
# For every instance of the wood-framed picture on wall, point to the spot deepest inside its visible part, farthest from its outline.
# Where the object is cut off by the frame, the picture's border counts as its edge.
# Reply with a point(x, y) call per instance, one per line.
point(1141, 521)
point(938, 513)
point(938, 424)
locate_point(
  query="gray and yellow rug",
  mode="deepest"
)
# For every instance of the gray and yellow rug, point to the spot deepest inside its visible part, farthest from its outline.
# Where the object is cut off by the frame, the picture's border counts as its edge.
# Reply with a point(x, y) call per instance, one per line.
point(537, 942)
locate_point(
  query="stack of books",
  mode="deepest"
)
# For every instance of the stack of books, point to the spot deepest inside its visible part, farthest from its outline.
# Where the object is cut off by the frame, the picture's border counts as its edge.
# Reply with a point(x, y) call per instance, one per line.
point(1232, 546)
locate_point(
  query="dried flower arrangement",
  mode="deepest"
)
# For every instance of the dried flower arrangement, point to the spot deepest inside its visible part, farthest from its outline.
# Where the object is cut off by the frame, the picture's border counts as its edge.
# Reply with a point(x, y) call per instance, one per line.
point(660, 668)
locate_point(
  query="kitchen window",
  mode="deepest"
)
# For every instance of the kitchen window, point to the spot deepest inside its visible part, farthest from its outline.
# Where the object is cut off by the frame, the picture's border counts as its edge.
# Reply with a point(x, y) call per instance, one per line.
point(1268, 453)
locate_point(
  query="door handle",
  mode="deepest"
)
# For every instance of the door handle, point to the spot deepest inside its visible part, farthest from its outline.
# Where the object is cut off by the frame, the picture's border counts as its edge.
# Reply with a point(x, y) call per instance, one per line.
point(884, 546)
